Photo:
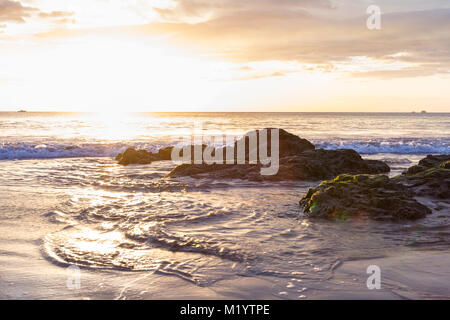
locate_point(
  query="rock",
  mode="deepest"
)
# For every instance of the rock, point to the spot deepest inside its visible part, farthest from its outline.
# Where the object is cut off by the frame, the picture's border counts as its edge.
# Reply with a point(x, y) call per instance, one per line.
point(165, 153)
point(431, 177)
point(445, 165)
point(362, 196)
point(289, 144)
point(378, 197)
point(429, 162)
point(299, 160)
point(325, 164)
point(133, 156)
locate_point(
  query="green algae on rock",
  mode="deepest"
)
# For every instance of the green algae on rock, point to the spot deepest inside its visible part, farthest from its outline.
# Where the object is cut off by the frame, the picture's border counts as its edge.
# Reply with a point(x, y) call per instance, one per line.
point(363, 196)
point(431, 177)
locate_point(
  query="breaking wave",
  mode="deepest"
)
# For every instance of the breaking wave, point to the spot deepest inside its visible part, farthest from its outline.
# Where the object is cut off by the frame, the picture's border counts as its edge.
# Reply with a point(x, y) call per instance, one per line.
point(30, 150)
point(391, 145)
point(24, 151)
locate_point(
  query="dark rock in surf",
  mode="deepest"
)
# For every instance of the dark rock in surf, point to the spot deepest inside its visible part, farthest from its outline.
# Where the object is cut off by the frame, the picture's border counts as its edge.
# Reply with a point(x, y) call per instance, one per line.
point(379, 197)
point(429, 162)
point(165, 153)
point(133, 156)
point(363, 196)
point(431, 177)
point(310, 165)
point(298, 160)
point(289, 144)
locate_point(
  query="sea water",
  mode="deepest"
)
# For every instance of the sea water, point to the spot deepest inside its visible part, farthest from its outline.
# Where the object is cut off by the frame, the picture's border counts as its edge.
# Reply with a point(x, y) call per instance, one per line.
point(202, 231)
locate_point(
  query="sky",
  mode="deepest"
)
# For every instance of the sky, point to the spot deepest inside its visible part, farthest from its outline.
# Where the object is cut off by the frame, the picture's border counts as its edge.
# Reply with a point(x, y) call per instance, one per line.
point(225, 55)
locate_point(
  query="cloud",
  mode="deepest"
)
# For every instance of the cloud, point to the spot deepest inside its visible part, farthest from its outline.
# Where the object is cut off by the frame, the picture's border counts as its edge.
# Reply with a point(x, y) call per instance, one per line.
point(319, 34)
point(59, 17)
point(55, 14)
point(259, 76)
point(245, 68)
point(191, 10)
point(282, 34)
point(15, 12)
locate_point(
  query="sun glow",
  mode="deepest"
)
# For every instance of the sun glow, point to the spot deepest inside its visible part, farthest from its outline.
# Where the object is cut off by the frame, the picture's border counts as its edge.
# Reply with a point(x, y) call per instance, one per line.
point(116, 126)
point(120, 55)
point(104, 74)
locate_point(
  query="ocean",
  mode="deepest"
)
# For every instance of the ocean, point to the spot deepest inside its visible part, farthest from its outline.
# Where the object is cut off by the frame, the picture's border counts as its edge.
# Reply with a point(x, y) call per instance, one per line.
point(63, 135)
point(136, 234)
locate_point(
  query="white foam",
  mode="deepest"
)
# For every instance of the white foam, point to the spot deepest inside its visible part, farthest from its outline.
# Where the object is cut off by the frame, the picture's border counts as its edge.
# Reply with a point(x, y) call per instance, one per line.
point(21, 151)
point(51, 150)
point(392, 145)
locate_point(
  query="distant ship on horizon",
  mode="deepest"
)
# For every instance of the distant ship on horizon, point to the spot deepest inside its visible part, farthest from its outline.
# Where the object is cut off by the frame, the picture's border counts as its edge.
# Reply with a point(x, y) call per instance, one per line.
point(21, 111)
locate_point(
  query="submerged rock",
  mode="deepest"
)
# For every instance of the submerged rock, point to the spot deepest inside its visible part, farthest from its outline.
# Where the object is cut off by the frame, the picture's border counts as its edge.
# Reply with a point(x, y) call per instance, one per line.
point(372, 196)
point(431, 177)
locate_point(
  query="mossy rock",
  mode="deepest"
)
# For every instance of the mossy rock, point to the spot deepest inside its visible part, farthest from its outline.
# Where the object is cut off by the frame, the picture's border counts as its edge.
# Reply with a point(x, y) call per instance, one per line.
point(431, 177)
point(363, 196)
point(430, 161)
point(445, 165)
